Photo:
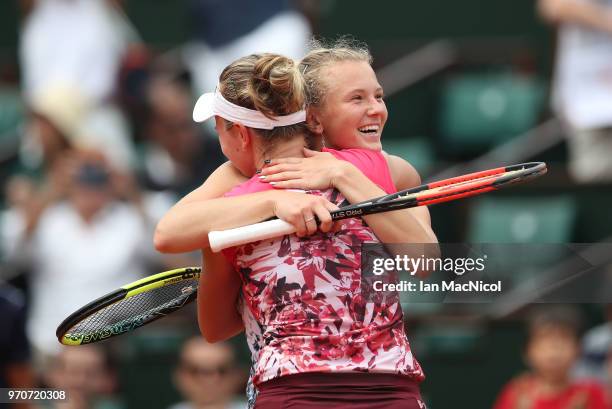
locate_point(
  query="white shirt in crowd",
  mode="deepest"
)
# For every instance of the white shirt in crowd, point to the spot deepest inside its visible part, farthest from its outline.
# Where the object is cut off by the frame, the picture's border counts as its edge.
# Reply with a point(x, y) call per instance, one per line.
point(582, 92)
point(72, 263)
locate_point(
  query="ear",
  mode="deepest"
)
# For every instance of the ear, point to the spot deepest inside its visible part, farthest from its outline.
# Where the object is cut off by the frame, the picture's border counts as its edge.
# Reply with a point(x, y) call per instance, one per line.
point(313, 120)
point(245, 134)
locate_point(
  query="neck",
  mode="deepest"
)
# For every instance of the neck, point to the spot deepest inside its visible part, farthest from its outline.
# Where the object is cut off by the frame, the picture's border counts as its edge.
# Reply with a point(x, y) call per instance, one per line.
point(551, 386)
point(291, 148)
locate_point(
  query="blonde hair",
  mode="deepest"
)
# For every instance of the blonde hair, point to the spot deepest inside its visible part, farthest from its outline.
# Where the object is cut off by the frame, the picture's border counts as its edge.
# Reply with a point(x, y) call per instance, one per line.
point(269, 83)
point(322, 55)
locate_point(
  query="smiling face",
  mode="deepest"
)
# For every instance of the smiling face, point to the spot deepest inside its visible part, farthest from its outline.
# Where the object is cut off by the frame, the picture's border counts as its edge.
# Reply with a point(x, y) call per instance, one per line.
point(352, 113)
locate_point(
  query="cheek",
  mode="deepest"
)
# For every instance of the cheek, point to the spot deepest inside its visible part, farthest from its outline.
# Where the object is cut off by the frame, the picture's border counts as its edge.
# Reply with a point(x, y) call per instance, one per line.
point(568, 353)
point(226, 145)
point(385, 113)
point(339, 131)
point(224, 149)
point(337, 137)
point(349, 117)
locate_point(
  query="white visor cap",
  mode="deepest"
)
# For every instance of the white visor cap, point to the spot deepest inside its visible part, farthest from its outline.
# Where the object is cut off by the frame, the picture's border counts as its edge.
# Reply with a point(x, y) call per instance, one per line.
point(213, 103)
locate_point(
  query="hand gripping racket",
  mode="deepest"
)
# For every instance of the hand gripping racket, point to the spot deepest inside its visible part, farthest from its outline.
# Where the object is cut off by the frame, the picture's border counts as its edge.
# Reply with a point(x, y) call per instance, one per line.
point(437, 192)
point(130, 307)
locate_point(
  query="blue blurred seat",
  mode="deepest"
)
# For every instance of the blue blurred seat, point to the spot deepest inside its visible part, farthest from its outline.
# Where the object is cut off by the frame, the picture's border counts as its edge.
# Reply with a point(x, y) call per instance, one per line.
point(522, 236)
point(479, 111)
point(522, 219)
point(416, 150)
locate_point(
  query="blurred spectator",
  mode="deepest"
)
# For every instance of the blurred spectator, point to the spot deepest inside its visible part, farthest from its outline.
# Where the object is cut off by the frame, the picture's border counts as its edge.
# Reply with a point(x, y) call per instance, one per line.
point(177, 154)
point(207, 376)
point(551, 351)
point(80, 44)
point(609, 377)
point(223, 34)
point(53, 127)
point(94, 35)
point(15, 369)
point(88, 375)
point(596, 345)
point(80, 248)
point(582, 93)
point(51, 133)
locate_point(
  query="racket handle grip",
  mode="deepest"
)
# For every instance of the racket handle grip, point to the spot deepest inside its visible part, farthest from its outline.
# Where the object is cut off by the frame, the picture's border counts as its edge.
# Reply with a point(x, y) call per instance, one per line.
point(223, 239)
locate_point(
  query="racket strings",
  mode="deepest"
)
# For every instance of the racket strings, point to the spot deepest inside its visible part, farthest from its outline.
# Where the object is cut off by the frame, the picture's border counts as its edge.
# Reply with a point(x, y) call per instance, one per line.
point(146, 304)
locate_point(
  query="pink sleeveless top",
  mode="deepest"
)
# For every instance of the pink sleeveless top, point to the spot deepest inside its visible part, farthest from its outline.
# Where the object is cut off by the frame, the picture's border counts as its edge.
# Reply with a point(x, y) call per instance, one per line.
point(371, 163)
point(301, 297)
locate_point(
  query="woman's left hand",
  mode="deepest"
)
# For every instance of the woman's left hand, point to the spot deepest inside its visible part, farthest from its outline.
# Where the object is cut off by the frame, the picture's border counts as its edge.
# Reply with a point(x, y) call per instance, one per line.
point(316, 171)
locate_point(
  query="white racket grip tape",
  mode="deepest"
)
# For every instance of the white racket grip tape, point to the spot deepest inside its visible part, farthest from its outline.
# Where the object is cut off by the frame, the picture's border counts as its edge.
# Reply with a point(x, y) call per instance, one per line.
point(223, 239)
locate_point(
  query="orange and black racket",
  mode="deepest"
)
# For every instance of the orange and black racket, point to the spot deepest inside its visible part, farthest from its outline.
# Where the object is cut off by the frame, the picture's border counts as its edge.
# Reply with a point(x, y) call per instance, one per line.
point(151, 298)
point(436, 192)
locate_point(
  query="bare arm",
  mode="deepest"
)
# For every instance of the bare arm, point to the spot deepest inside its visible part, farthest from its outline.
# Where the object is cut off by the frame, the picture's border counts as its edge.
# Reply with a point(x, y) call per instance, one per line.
point(586, 13)
point(186, 226)
point(218, 293)
point(405, 176)
point(401, 226)
point(322, 170)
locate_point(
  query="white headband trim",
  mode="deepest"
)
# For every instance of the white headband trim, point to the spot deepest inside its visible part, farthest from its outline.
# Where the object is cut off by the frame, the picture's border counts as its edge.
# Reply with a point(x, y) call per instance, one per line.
point(211, 104)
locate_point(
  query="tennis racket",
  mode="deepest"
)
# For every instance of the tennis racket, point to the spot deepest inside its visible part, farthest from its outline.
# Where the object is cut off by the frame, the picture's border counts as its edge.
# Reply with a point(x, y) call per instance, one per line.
point(437, 192)
point(130, 307)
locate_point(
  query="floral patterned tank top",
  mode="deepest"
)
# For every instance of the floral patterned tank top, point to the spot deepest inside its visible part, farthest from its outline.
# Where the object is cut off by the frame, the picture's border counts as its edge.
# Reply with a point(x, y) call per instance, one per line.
point(302, 303)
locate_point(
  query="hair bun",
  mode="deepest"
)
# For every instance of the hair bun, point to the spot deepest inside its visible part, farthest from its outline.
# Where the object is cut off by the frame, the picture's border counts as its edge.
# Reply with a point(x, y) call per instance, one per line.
point(276, 87)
